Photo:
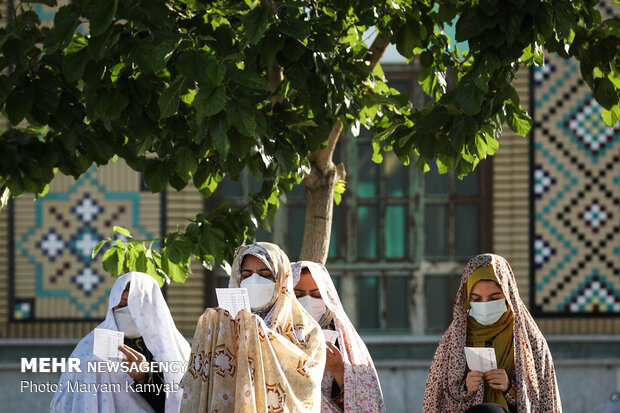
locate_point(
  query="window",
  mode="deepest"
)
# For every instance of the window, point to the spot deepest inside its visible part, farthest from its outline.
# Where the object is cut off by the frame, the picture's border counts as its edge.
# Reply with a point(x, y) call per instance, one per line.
point(455, 214)
point(457, 221)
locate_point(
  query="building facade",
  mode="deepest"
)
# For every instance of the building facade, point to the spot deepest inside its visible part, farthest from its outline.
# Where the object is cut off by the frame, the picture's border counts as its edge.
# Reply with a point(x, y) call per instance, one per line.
point(548, 203)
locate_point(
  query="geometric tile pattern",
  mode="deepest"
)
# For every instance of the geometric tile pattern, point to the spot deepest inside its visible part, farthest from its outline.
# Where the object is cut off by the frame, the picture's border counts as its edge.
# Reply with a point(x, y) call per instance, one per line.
point(576, 197)
point(55, 277)
point(595, 294)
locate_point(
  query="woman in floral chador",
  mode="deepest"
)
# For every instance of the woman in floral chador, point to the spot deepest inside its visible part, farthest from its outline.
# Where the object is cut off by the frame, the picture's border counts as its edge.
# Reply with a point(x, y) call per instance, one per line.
point(269, 360)
point(350, 382)
point(488, 312)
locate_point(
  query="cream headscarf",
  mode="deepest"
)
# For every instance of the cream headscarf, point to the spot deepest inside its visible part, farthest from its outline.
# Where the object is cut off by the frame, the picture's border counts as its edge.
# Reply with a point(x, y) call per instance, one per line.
point(248, 364)
point(534, 377)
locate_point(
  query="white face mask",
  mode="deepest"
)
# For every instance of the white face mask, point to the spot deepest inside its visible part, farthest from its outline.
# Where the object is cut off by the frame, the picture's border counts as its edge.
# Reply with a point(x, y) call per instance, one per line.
point(260, 290)
point(489, 312)
point(315, 306)
point(125, 323)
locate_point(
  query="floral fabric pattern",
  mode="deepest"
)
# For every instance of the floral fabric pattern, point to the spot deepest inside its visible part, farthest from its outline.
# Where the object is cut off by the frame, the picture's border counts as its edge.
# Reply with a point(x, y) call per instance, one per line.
point(535, 382)
point(247, 364)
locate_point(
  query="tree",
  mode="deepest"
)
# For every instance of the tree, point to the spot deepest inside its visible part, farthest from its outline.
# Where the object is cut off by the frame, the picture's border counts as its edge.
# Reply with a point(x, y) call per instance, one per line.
point(190, 91)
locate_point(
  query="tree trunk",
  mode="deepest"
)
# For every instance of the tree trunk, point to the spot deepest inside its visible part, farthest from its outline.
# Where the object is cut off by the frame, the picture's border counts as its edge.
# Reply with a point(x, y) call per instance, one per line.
point(322, 179)
point(320, 186)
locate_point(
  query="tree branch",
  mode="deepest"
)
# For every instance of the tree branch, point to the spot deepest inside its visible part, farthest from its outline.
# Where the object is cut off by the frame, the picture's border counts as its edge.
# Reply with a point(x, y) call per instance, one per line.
point(323, 157)
point(275, 76)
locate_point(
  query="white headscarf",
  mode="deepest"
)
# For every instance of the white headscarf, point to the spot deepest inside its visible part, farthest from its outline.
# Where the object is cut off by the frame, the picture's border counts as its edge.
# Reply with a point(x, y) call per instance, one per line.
point(152, 316)
point(362, 391)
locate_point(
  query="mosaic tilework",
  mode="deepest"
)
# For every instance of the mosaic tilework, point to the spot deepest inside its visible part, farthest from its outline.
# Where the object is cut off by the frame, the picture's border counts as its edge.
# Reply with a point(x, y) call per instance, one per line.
point(55, 277)
point(576, 196)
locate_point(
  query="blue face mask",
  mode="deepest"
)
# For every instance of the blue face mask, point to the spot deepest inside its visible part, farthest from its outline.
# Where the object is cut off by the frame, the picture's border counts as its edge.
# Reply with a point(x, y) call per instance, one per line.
point(487, 313)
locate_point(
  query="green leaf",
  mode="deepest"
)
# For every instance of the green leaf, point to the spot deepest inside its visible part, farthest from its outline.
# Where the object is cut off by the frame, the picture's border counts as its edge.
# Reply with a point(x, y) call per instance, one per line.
point(469, 97)
point(97, 248)
point(19, 104)
point(611, 116)
point(518, 119)
point(249, 79)
point(205, 182)
point(66, 20)
point(339, 190)
point(122, 231)
point(113, 260)
point(192, 65)
point(169, 99)
point(614, 77)
point(492, 144)
point(186, 163)
point(297, 29)
point(481, 147)
point(563, 18)
point(433, 121)
point(215, 71)
point(135, 258)
point(406, 41)
point(377, 152)
point(176, 272)
point(255, 23)
point(241, 117)
point(209, 101)
point(472, 23)
point(101, 14)
point(48, 96)
point(443, 165)
point(220, 139)
point(75, 59)
point(605, 93)
point(5, 88)
point(157, 174)
point(422, 164)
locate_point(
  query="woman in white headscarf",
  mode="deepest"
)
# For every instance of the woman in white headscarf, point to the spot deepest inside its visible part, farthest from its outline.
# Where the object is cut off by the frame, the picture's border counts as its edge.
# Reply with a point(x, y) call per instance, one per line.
point(350, 381)
point(268, 360)
point(137, 308)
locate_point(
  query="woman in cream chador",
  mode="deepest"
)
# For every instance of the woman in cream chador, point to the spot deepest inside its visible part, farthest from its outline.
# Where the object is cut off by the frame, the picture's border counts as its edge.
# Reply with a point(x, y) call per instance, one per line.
point(268, 360)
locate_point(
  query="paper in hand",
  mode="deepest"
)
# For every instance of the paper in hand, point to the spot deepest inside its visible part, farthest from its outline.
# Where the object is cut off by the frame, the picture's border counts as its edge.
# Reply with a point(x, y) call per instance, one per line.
point(331, 336)
point(106, 342)
point(233, 299)
point(481, 358)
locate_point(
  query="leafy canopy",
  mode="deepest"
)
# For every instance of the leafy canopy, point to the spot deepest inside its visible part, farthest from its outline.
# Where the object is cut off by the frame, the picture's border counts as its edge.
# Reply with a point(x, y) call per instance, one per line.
point(191, 92)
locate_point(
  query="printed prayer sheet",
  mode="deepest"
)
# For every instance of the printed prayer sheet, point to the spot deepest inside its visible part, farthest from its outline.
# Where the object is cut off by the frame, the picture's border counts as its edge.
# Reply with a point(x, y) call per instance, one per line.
point(233, 299)
point(331, 336)
point(105, 345)
point(481, 358)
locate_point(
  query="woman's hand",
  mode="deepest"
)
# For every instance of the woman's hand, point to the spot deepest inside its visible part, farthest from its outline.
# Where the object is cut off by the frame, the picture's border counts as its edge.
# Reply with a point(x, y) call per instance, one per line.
point(473, 380)
point(498, 379)
point(134, 357)
point(335, 363)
